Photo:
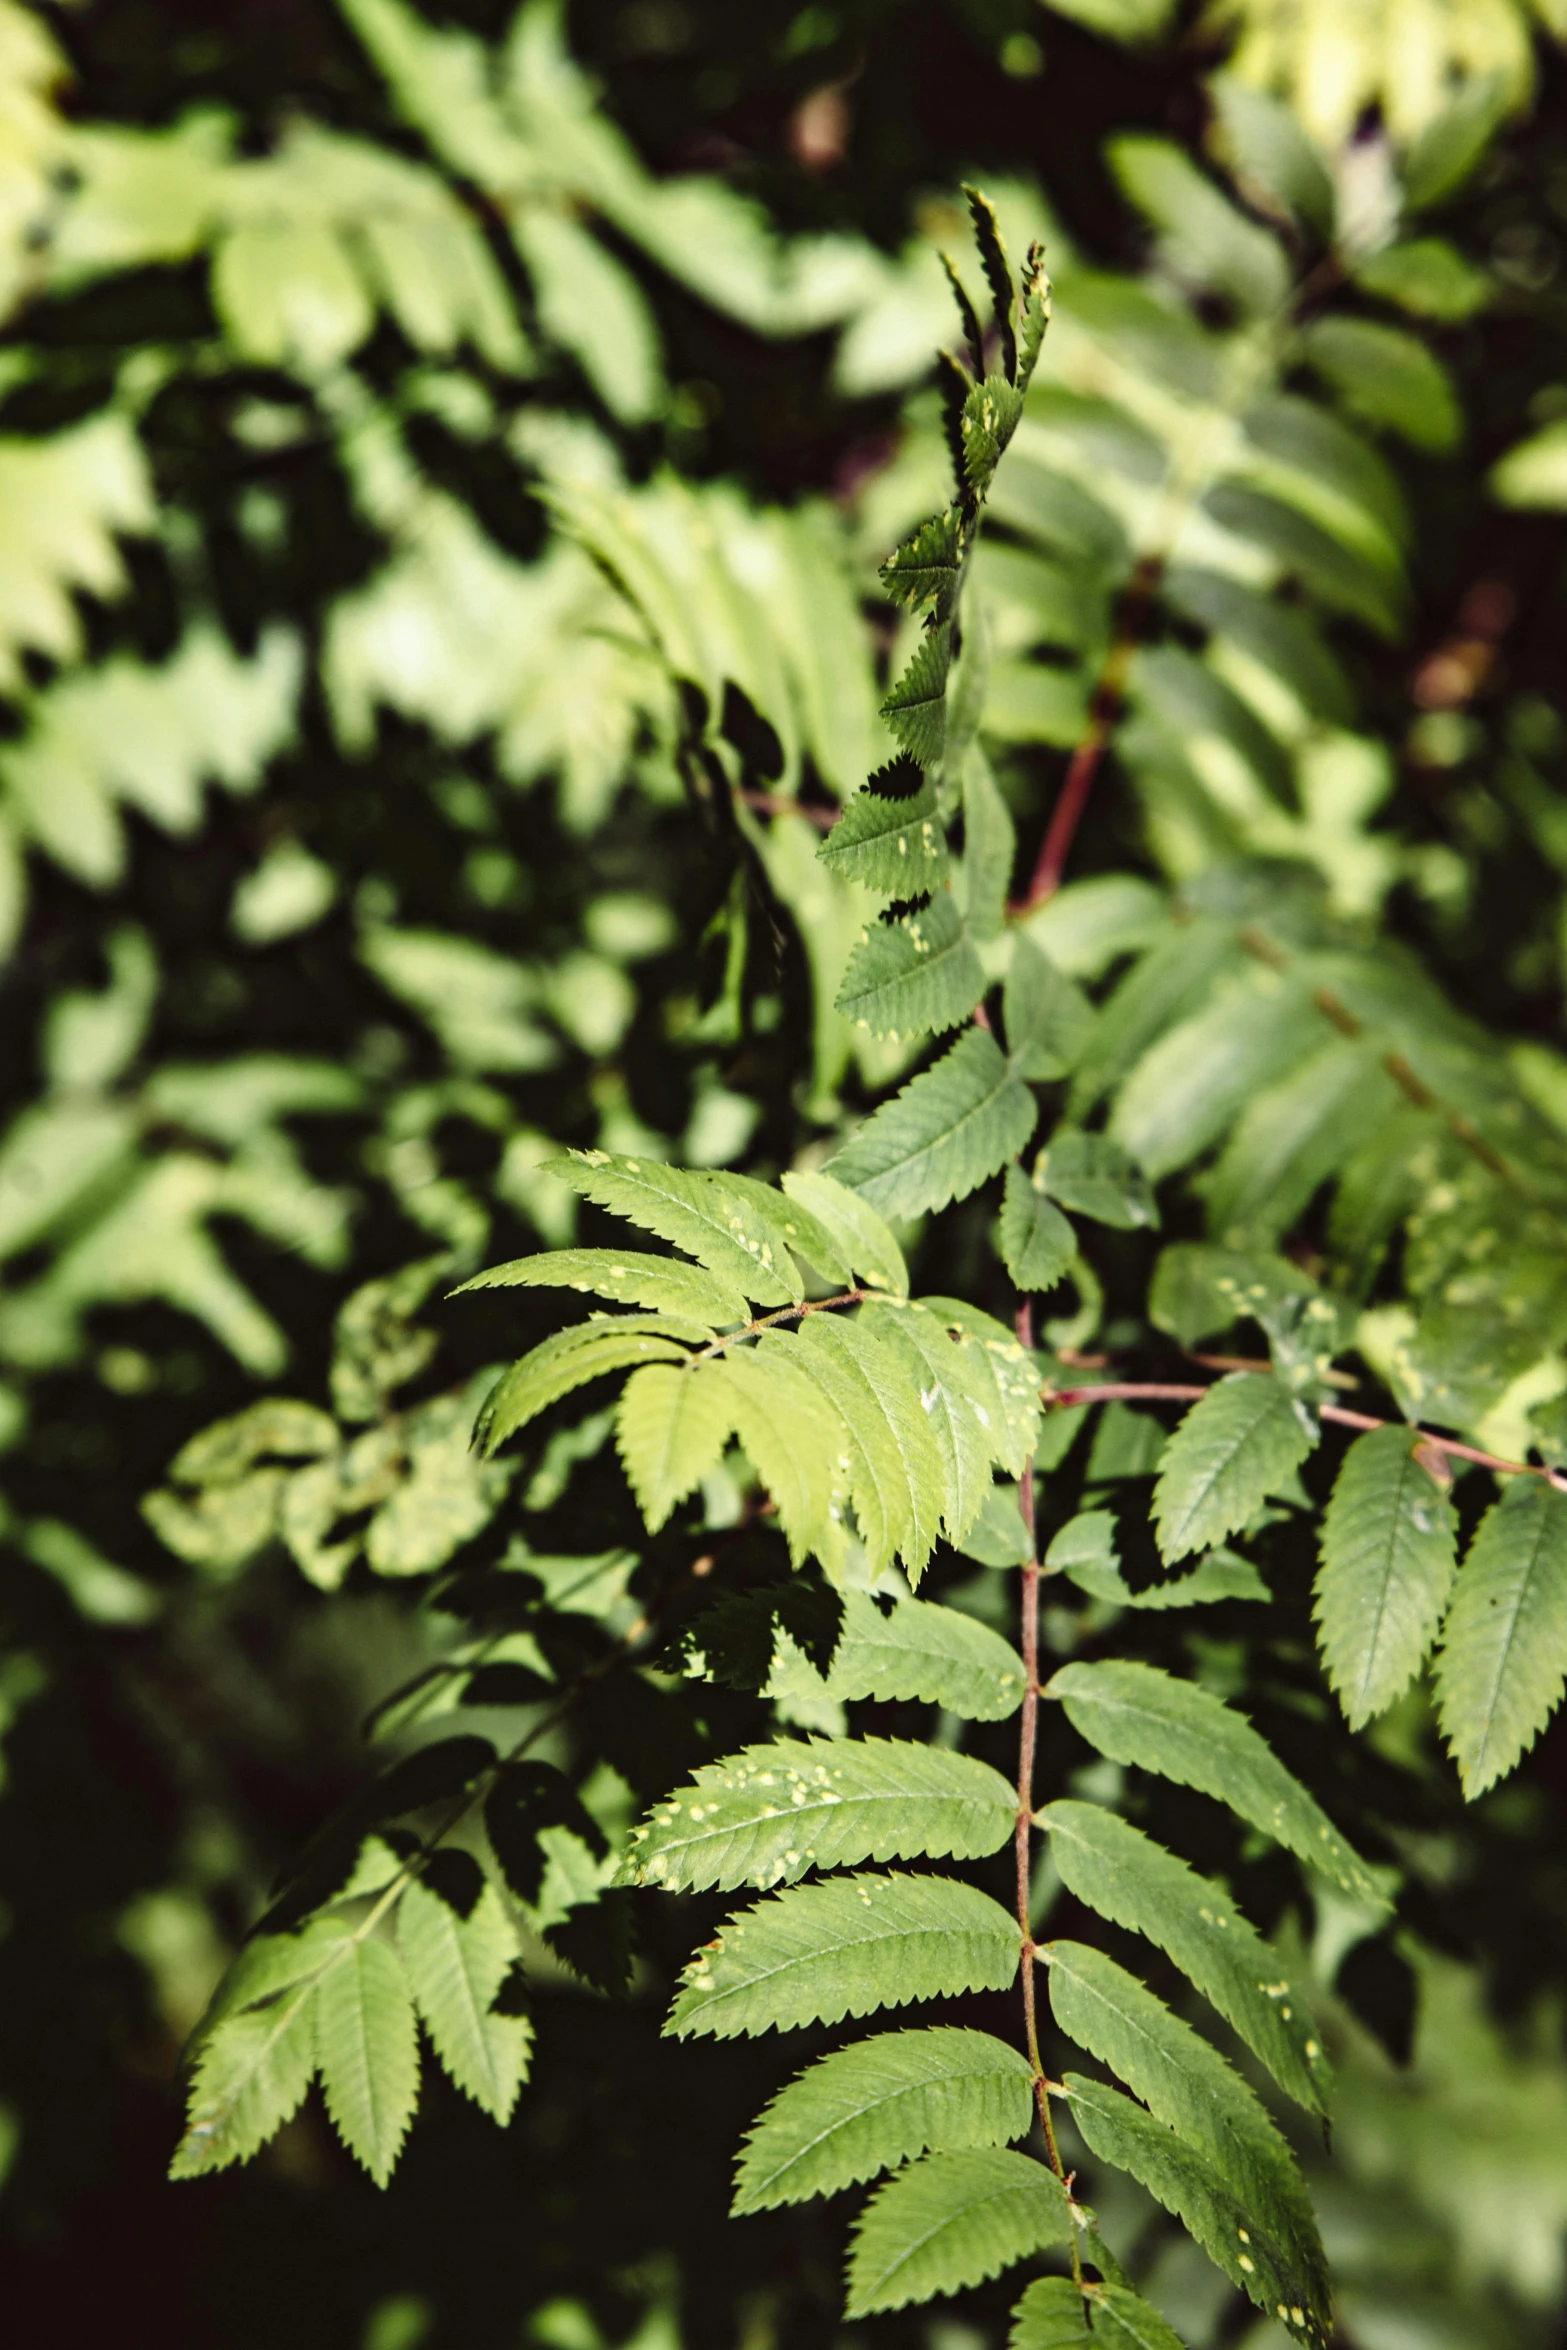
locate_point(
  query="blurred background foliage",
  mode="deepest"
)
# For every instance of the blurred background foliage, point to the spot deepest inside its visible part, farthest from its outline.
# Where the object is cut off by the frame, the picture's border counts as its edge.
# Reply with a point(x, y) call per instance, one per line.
point(400, 414)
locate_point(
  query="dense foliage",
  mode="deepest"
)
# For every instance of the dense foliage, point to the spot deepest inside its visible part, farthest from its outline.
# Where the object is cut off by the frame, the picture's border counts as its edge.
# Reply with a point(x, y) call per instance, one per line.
point(785, 1174)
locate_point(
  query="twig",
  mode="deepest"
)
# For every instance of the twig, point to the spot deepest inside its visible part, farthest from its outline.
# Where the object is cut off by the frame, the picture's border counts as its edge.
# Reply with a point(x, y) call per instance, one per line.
point(1167, 1391)
point(768, 803)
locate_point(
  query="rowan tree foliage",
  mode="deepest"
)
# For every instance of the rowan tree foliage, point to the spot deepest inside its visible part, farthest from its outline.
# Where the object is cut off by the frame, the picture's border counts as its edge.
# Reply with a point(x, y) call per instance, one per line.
point(783, 1222)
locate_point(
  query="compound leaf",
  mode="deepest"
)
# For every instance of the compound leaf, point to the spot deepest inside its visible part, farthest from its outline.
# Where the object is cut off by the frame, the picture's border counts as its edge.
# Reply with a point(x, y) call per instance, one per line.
point(948, 1131)
point(368, 2048)
point(1504, 1645)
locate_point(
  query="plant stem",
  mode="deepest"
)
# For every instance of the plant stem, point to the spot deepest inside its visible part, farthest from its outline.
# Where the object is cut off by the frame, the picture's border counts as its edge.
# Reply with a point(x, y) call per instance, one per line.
point(1022, 1841)
point(1167, 1391)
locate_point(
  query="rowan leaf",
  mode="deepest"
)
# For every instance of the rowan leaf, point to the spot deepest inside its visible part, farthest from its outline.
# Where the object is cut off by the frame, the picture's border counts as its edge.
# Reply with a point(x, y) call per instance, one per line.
point(252, 2073)
point(845, 1946)
point(1084, 1551)
point(1094, 1177)
point(944, 1134)
point(1136, 1714)
point(1048, 1018)
point(568, 1359)
point(764, 1816)
point(879, 2103)
point(794, 1438)
point(927, 567)
point(692, 1212)
point(951, 2220)
point(897, 1475)
point(1389, 1551)
point(863, 1241)
point(1503, 1659)
point(1230, 1452)
point(1037, 1243)
point(918, 974)
point(368, 2050)
point(916, 708)
point(661, 1285)
point(1116, 1870)
point(671, 1426)
point(456, 1965)
point(923, 1651)
point(890, 844)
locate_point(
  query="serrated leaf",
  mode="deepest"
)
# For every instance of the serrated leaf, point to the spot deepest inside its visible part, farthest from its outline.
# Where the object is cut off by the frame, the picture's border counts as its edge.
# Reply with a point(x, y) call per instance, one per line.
point(916, 708)
point(1136, 1714)
point(692, 1212)
point(1034, 299)
point(1116, 1870)
point(1389, 1550)
point(897, 1476)
point(368, 2049)
point(1188, 2086)
point(570, 1358)
point(1037, 1242)
point(1503, 1659)
point(1048, 1018)
point(1228, 1454)
point(1198, 1290)
point(1094, 1177)
point(990, 417)
point(864, 1243)
point(795, 1440)
point(764, 1816)
point(1053, 2315)
point(944, 1134)
point(1003, 1371)
point(922, 1651)
point(918, 974)
point(671, 1426)
point(662, 1285)
point(949, 2221)
point(998, 273)
point(784, 1227)
point(892, 846)
point(1386, 376)
point(953, 1400)
point(926, 568)
point(456, 1965)
point(843, 1947)
point(1293, 1137)
point(1186, 2182)
point(876, 2104)
point(253, 2070)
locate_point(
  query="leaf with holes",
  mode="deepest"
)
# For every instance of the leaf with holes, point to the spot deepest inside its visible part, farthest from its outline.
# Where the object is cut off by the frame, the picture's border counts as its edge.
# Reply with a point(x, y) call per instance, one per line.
point(692, 1212)
point(890, 843)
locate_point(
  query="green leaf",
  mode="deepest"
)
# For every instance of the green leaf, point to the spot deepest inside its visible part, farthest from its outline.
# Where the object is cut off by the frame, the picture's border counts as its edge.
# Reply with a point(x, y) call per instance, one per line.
point(863, 1241)
point(1187, 2183)
point(1198, 1291)
point(998, 274)
point(1293, 1137)
point(1037, 1243)
point(1004, 1372)
point(1052, 2315)
point(1205, 236)
point(1427, 277)
point(794, 1438)
point(919, 1650)
point(927, 567)
point(1094, 1177)
point(1229, 1453)
point(917, 974)
point(1389, 1550)
point(764, 1816)
point(1048, 1019)
point(1503, 1659)
point(368, 2049)
point(1384, 375)
point(692, 1212)
point(876, 2104)
point(1187, 1089)
point(989, 848)
point(671, 1426)
point(1123, 2320)
point(897, 1476)
point(1188, 2086)
point(456, 1965)
point(944, 1134)
point(663, 1285)
point(957, 1389)
point(1084, 1551)
point(1270, 153)
point(949, 2221)
point(1123, 1875)
point(1534, 473)
point(916, 708)
point(568, 1359)
point(1169, 984)
point(843, 1947)
point(1137, 1714)
point(891, 845)
point(253, 2070)
point(990, 417)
